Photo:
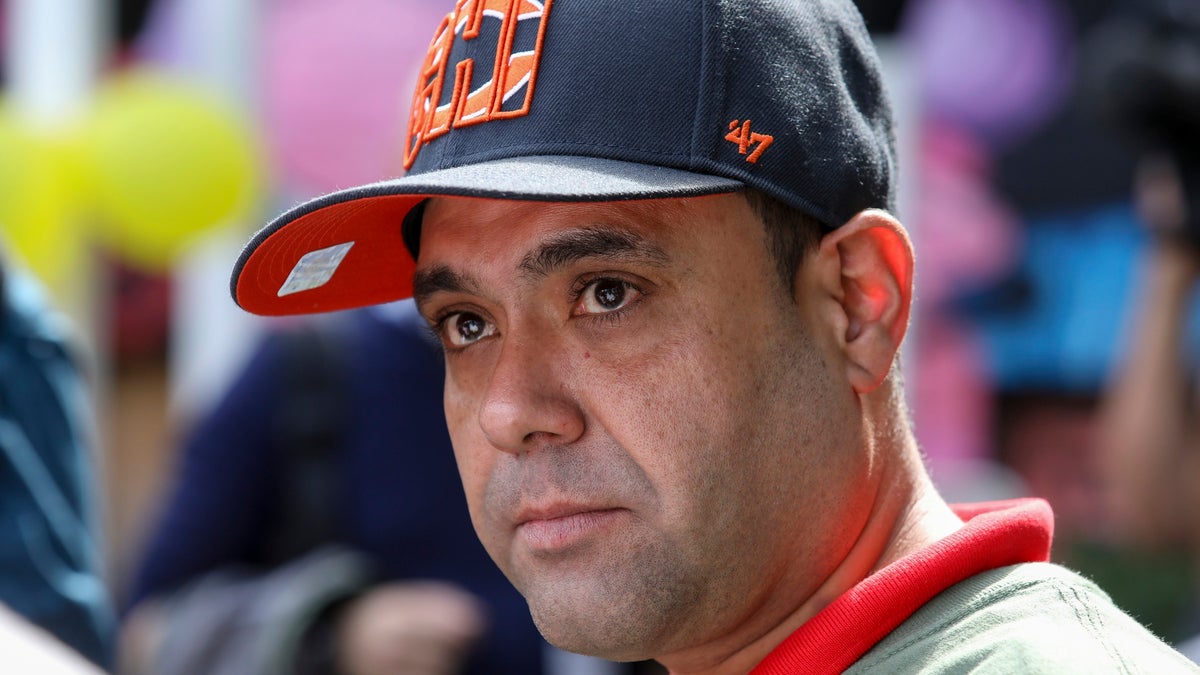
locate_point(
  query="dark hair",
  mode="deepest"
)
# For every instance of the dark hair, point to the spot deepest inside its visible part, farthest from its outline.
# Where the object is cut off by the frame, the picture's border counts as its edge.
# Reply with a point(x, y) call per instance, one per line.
point(791, 233)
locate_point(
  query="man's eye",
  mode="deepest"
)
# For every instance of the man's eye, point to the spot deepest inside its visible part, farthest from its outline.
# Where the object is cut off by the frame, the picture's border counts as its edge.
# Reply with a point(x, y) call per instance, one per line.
point(462, 329)
point(606, 295)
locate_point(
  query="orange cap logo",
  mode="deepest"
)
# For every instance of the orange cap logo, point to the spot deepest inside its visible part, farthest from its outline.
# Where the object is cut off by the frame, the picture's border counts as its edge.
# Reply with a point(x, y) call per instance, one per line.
point(509, 91)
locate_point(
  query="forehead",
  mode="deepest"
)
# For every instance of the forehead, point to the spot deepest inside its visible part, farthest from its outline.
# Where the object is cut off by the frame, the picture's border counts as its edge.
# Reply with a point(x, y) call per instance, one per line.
point(461, 229)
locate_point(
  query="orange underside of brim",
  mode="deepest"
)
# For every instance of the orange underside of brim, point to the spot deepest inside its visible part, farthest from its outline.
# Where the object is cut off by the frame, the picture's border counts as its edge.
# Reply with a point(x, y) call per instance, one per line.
point(377, 268)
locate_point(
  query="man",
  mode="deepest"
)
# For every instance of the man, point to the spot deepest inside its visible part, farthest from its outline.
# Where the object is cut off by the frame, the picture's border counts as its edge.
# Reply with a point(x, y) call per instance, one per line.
point(656, 242)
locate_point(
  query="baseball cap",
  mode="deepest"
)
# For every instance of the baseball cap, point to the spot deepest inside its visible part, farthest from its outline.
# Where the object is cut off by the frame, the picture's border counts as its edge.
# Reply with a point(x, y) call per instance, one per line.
point(599, 100)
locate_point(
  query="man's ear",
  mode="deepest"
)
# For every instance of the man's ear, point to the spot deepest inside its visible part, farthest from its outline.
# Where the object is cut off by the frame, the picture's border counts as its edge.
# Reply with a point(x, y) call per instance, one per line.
point(867, 263)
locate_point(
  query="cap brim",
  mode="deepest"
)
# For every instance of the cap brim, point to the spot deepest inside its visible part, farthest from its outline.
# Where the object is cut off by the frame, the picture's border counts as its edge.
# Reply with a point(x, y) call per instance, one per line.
point(346, 249)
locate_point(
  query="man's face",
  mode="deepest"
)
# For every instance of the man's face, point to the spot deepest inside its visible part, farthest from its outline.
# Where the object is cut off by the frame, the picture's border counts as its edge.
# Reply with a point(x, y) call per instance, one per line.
point(656, 439)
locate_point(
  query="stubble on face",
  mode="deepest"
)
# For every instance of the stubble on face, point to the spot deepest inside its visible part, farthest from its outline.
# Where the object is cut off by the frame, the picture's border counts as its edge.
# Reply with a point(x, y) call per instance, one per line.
point(593, 597)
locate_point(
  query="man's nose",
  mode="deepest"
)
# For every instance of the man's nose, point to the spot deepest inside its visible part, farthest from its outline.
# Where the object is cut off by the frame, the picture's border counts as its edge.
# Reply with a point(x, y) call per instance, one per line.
point(529, 401)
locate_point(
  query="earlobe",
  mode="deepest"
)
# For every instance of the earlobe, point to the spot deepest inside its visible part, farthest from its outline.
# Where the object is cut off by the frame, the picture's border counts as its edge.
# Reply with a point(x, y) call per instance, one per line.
point(874, 259)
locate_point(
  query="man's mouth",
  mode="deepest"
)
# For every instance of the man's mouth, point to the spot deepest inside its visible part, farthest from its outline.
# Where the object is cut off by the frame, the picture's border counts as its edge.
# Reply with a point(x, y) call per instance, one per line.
point(557, 528)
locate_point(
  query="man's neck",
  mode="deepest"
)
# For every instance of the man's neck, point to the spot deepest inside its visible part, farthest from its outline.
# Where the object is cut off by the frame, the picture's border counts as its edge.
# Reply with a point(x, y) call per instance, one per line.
point(907, 515)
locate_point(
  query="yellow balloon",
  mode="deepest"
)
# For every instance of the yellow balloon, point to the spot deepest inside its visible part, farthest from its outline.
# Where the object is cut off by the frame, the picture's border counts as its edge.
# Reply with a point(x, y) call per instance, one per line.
point(39, 203)
point(165, 162)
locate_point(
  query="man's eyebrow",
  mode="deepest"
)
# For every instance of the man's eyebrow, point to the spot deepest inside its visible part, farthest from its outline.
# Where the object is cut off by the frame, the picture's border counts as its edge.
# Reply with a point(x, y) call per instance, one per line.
point(555, 253)
point(440, 278)
point(590, 242)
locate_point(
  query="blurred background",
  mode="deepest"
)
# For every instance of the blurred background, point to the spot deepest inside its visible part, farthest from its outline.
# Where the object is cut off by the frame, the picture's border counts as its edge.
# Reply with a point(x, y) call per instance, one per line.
point(143, 141)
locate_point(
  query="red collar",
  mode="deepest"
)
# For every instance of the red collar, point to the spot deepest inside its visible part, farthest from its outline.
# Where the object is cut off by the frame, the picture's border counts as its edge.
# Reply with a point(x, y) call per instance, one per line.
point(995, 534)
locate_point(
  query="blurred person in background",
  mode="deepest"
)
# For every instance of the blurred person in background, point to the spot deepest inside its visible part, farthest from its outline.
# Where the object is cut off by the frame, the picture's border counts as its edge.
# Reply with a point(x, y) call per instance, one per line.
point(50, 570)
point(1143, 73)
point(1150, 432)
point(317, 524)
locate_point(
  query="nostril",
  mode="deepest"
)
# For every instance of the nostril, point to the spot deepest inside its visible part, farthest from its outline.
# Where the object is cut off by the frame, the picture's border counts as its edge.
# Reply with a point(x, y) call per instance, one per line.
point(542, 438)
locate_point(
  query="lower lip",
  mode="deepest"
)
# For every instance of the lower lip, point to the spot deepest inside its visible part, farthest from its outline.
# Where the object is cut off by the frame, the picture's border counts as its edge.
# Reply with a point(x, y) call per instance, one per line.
point(560, 533)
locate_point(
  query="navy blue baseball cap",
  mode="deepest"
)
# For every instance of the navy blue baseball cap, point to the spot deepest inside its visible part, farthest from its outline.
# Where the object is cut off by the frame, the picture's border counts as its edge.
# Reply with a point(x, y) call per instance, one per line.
point(599, 100)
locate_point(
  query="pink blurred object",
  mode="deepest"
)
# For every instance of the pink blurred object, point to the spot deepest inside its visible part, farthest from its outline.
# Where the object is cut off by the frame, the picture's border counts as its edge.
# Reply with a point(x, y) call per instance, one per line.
point(952, 404)
point(337, 78)
point(999, 67)
point(967, 235)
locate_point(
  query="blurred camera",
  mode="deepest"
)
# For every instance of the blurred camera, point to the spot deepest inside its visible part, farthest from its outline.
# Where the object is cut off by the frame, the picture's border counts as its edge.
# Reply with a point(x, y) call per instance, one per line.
point(1142, 69)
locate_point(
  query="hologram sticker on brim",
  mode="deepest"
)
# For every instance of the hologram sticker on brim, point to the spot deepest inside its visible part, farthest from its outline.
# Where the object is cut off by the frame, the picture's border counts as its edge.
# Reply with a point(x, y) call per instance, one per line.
point(314, 269)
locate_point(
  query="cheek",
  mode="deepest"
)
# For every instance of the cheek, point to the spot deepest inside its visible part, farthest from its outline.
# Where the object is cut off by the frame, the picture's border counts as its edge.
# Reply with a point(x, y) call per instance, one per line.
point(723, 410)
point(476, 462)
point(471, 450)
point(666, 405)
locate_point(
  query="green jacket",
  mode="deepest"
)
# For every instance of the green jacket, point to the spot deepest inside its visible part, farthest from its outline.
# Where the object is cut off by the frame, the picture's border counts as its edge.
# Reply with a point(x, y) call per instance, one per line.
point(1026, 618)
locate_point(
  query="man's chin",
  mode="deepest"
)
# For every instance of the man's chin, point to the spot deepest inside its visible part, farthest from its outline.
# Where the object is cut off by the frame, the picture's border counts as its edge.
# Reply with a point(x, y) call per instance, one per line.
point(593, 637)
point(619, 619)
